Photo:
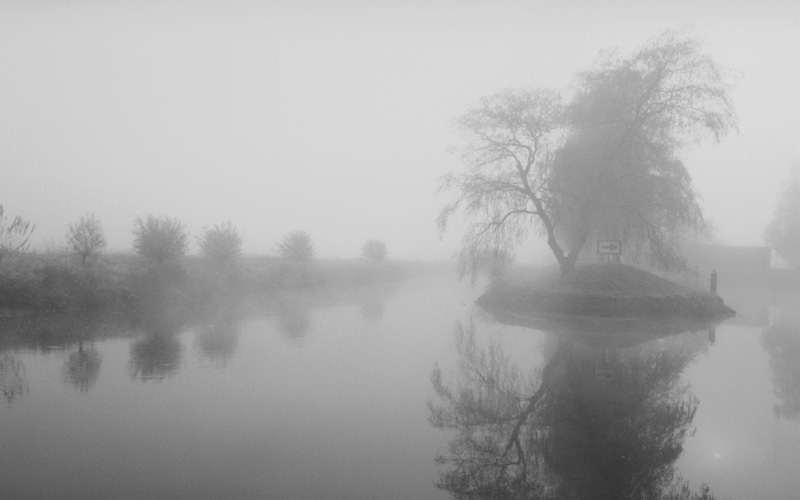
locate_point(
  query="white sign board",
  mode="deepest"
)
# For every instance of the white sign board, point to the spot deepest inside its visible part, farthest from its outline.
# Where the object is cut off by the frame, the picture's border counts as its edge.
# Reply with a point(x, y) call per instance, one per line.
point(613, 247)
point(604, 374)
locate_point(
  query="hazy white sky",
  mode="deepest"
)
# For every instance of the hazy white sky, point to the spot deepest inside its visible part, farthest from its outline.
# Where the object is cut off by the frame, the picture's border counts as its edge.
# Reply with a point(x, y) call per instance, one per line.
point(336, 117)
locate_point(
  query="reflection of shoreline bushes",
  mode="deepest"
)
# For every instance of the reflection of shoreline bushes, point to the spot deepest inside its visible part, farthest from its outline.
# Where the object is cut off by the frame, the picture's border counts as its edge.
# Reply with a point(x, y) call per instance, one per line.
point(123, 281)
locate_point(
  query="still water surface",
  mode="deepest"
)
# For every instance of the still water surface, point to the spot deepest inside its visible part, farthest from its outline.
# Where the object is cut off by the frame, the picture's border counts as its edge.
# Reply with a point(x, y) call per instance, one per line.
point(331, 402)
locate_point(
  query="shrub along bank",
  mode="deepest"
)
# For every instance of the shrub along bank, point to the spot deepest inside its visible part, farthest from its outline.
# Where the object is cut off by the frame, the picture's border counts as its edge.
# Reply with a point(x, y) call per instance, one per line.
point(126, 282)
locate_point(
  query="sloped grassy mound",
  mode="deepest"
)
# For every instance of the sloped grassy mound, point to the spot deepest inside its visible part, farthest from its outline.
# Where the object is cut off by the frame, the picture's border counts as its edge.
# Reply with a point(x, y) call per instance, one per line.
point(601, 290)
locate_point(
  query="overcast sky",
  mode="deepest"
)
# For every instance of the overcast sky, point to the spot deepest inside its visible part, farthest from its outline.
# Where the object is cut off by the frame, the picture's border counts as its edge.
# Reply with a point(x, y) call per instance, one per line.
point(336, 117)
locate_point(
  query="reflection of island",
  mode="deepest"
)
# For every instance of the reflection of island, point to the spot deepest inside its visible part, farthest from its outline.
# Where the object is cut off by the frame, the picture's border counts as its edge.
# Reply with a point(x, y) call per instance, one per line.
point(781, 340)
point(82, 368)
point(13, 380)
point(595, 423)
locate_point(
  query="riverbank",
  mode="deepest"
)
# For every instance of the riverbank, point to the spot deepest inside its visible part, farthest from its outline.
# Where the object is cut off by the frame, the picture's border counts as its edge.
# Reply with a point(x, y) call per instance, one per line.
point(602, 291)
point(122, 282)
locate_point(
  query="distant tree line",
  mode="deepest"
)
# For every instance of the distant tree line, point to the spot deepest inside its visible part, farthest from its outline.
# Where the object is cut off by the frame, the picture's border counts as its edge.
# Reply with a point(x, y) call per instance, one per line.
point(161, 274)
point(161, 239)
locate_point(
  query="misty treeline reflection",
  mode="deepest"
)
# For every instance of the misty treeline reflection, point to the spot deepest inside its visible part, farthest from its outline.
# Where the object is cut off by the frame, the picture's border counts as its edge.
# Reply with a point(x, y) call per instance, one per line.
point(157, 346)
point(13, 380)
point(72, 337)
point(82, 367)
point(592, 423)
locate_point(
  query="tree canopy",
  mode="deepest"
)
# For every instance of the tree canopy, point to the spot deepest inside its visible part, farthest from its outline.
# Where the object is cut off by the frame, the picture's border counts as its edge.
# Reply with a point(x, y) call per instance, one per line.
point(160, 239)
point(603, 164)
point(86, 238)
point(297, 246)
point(222, 244)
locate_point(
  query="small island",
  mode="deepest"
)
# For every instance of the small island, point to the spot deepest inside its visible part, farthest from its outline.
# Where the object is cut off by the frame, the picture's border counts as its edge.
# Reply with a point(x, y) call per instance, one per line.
point(601, 291)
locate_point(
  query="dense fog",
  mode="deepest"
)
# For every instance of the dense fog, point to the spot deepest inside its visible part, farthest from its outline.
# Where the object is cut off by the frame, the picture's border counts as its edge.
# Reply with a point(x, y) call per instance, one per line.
point(230, 233)
point(337, 118)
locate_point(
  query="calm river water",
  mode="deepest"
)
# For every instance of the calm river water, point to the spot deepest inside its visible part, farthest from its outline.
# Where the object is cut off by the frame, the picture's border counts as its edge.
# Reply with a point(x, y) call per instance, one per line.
point(332, 401)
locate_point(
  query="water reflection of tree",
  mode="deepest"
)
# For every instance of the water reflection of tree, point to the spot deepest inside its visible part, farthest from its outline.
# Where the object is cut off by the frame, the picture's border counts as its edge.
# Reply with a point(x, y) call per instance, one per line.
point(620, 443)
point(157, 354)
point(217, 342)
point(293, 317)
point(13, 379)
point(782, 343)
point(562, 433)
point(155, 357)
point(82, 368)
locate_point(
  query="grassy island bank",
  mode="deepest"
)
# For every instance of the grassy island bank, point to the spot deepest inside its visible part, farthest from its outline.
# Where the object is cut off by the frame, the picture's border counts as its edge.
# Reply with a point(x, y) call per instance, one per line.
point(602, 291)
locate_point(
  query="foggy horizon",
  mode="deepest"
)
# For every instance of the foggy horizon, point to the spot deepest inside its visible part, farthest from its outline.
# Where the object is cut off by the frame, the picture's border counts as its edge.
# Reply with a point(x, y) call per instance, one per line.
point(338, 119)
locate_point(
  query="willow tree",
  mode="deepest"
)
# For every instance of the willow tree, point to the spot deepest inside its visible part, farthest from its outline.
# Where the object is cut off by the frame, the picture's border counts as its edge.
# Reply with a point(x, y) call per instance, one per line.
point(603, 164)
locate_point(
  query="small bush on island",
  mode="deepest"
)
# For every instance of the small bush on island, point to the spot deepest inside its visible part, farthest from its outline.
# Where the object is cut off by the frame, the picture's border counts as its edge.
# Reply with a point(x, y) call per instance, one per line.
point(86, 238)
point(159, 239)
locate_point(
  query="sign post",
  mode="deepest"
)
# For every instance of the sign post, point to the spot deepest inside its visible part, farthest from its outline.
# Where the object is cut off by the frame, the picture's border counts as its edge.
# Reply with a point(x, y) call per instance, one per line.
point(610, 249)
point(605, 374)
